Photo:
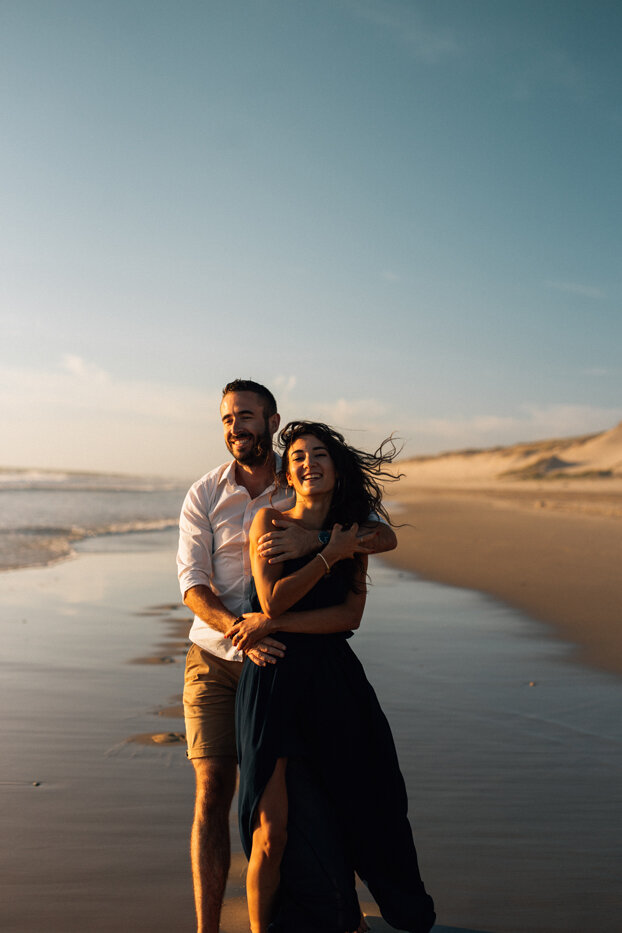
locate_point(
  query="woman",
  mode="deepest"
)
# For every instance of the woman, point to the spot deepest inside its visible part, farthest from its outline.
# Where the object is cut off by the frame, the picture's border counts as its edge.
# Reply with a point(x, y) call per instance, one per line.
point(321, 794)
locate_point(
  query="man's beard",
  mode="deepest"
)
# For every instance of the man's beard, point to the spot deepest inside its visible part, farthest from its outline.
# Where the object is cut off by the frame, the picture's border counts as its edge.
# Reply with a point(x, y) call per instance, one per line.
point(260, 451)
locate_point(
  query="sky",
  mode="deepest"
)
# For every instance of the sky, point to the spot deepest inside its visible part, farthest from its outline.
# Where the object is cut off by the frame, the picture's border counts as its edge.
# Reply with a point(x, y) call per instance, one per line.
point(400, 215)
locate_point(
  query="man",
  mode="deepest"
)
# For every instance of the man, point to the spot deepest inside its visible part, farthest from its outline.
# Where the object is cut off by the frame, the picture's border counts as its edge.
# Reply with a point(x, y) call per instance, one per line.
point(215, 580)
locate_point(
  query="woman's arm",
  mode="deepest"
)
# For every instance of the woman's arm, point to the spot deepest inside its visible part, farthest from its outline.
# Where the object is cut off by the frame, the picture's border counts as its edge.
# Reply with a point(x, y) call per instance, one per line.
point(276, 593)
point(342, 617)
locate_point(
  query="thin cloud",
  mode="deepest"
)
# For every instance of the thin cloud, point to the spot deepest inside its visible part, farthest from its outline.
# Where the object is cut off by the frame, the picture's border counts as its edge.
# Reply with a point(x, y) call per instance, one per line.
point(81, 369)
point(549, 69)
point(363, 412)
point(79, 385)
point(78, 416)
point(284, 384)
point(575, 288)
point(404, 26)
point(528, 423)
point(595, 371)
point(571, 419)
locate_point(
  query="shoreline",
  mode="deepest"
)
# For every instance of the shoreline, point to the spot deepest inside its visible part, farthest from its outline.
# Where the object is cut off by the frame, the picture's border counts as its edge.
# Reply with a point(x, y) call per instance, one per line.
point(552, 552)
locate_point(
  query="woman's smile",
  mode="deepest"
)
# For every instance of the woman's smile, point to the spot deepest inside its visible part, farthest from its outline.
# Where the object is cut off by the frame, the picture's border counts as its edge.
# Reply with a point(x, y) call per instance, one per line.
point(311, 467)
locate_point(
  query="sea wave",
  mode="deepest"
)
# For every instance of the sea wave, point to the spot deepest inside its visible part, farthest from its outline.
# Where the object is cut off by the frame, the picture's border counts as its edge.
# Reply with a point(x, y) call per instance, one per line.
point(36, 546)
point(43, 513)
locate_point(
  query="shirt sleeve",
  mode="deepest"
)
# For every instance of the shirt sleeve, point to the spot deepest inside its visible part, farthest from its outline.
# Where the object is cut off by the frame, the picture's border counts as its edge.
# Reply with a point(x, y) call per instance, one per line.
point(194, 555)
point(374, 517)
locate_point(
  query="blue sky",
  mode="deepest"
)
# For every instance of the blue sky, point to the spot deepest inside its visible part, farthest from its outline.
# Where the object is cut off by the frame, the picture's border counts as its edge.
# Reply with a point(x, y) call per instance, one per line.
point(401, 216)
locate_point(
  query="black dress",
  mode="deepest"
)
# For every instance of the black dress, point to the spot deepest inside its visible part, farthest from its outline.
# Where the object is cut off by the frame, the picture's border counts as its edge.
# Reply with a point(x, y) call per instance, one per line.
point(347, 799)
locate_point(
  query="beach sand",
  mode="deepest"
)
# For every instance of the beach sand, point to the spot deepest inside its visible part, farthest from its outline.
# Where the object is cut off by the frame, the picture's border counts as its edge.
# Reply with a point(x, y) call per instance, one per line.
point(511, 752)
point(549, 545)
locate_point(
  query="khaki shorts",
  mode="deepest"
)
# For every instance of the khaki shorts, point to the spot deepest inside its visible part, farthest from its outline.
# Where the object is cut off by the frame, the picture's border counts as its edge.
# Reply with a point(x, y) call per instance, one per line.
point(210, 684)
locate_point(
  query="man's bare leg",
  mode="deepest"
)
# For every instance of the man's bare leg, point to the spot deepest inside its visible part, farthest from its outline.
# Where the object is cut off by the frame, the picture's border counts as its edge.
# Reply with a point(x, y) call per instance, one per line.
point(210, 847)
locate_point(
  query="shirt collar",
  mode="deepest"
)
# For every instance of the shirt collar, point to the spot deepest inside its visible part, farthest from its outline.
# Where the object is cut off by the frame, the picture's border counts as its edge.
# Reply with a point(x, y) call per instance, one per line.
point(229, 473)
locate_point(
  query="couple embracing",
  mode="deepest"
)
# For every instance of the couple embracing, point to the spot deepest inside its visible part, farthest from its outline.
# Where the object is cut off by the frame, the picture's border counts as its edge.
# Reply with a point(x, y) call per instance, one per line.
point(272, 562)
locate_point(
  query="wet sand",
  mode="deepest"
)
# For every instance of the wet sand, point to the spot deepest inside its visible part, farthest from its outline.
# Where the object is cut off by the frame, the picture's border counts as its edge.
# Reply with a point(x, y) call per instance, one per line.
point(553, 550)
point(511, 753)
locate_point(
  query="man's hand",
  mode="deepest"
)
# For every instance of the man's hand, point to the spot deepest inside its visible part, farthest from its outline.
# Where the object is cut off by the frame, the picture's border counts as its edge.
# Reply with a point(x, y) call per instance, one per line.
point(289, 542)
point(254, 628)
point(294, 541)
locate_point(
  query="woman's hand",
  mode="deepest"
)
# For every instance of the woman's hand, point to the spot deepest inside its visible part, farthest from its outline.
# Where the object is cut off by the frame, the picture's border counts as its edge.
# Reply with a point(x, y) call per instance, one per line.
point(253, 628)
point(345, 544)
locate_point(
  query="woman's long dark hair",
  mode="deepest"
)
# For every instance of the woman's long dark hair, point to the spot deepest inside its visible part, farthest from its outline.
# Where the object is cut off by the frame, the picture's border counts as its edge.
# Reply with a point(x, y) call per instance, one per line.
point(359, 477)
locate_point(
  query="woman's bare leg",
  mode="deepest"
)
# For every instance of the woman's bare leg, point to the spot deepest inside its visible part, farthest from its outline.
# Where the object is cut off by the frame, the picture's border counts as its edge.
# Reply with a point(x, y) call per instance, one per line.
point(269, 838)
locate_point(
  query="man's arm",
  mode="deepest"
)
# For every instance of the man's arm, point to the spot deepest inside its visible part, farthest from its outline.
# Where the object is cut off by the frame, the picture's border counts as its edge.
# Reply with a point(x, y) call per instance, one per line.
point(289, 541)
point(205, 604)
point(194, 562)
point(256, 626)
point(342, 617)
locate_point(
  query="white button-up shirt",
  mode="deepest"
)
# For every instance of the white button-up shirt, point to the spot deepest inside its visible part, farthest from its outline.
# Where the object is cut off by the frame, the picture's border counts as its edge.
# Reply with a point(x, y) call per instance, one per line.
point(213, 550)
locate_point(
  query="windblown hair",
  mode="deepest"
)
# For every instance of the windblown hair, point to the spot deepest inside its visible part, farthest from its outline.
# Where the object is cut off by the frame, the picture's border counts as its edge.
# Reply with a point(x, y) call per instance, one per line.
point(247, 385)
point(359, 476)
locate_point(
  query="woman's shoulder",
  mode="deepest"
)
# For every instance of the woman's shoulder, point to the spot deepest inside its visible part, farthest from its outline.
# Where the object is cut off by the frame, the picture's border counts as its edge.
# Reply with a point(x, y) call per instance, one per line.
point(264, 518)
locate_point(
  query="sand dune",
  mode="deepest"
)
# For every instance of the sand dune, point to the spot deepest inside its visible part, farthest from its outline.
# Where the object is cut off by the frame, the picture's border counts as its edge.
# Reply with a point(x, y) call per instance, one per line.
point(592, 456)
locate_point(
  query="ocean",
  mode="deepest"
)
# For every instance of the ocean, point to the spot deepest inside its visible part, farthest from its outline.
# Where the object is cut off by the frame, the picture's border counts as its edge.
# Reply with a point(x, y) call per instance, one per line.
point(43, 513)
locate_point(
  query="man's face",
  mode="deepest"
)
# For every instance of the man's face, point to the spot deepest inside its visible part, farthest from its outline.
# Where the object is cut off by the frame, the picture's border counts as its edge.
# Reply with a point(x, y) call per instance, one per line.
point(248, 433)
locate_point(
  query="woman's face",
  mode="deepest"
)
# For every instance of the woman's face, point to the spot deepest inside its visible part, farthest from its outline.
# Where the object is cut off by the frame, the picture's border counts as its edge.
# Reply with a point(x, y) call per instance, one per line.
point(310, 468)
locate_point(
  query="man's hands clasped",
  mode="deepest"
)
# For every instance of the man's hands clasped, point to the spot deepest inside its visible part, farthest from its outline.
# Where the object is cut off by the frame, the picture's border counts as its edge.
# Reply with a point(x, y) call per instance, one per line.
point(251, 636)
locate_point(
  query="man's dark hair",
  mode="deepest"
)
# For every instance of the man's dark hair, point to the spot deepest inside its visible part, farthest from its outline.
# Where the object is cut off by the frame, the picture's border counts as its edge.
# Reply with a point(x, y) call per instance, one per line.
point(247, 385)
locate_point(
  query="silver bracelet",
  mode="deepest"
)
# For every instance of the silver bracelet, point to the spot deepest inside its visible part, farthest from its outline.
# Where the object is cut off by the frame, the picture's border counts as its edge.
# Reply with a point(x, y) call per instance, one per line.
point(321, 556)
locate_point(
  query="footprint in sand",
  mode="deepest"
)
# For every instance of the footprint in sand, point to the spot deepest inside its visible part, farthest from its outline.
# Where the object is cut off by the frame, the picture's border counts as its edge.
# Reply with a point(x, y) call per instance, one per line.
point(158, 738)
point(172, 712)
point(160, 610)
point(165, 659)
point(168, 738)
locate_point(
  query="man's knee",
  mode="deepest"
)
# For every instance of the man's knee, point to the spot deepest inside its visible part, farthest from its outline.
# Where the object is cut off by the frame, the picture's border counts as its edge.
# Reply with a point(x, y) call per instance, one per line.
point(215, 784)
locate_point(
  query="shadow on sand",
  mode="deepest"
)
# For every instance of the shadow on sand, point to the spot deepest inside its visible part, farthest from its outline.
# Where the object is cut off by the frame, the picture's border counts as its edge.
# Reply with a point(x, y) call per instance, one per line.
point(437, 929)
point(378, 925)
